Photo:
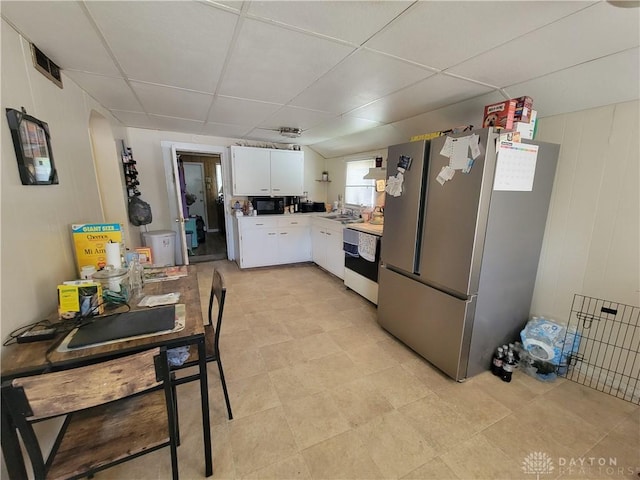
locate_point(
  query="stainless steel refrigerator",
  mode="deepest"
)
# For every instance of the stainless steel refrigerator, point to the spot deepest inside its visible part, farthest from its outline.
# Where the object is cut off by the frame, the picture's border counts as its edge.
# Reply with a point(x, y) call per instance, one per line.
point(459, 258)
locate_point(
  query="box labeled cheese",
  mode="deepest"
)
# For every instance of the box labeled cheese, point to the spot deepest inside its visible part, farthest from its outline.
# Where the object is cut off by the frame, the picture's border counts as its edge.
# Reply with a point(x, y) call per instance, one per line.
point(80, 298)
point(89, 241)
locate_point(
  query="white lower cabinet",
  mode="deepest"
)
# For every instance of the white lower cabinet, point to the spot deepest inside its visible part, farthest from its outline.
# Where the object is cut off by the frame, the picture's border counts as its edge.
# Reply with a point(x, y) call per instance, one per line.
point(326, 243)
point(273, 240)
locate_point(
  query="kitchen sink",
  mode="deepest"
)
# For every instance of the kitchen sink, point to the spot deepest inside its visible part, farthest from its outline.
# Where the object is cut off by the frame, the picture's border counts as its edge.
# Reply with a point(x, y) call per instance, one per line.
point(344, 218)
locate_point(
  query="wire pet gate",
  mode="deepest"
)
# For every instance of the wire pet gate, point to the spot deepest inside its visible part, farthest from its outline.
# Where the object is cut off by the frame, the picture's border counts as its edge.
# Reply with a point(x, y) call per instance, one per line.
point(607, 358)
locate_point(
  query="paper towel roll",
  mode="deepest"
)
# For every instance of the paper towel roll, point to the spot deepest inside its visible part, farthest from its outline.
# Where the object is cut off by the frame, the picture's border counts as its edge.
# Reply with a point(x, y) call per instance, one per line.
point(113, 254)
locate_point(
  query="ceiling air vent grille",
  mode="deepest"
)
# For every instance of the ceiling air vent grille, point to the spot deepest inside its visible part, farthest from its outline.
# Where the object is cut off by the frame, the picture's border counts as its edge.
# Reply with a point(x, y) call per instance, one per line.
point(45, 66)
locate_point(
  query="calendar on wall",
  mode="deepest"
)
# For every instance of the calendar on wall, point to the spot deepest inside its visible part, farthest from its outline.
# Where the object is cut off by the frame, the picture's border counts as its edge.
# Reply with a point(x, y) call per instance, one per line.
point(516, 167)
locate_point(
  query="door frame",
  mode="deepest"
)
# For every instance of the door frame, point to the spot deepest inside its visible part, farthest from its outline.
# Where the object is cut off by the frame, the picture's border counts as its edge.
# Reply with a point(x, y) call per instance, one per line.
point(169, 155)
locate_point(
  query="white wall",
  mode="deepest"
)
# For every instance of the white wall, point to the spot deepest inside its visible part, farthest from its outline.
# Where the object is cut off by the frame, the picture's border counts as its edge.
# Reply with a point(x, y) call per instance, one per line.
point(37, 252)
point(592, 239)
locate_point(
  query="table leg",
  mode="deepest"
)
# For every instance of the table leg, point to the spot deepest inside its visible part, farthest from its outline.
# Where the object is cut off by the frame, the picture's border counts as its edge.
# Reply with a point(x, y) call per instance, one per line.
point(11, 447)
point(204, 396)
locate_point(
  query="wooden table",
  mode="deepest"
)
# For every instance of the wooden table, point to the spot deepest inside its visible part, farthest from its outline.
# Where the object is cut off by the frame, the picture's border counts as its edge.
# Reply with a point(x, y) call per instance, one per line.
point(30, 359)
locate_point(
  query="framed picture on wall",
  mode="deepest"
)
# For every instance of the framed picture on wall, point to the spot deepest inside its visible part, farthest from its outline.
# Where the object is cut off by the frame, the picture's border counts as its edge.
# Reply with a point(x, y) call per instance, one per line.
point(32, 144)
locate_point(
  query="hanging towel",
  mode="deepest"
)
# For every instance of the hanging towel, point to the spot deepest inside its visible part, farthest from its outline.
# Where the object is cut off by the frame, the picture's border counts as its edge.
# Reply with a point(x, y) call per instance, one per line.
point(350, 240)
point(367, 246)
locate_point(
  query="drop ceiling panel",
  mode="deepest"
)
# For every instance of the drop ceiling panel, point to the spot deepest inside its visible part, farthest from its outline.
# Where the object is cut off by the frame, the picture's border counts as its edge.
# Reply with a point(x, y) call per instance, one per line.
point(62, 31)
point(335, 127)
point(585, 86)
point(564, 44)
point(296, 117)
point(372, 139)
point(110, 92)
point(224, 130)
point(442, 34)
point(239, 111)
point(363, 77)
point(430, 94)
point(173, 102)
point(272, 64)
point(171, 124)
point(134, 119)
point(350, 21)
point(181, 44)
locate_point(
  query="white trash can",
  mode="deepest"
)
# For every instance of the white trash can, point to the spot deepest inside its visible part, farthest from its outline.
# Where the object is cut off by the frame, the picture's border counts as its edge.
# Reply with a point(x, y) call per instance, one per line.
point(162, 244)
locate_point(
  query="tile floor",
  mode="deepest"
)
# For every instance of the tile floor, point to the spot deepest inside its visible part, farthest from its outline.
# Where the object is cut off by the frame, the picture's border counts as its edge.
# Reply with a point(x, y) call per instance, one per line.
point(319, 391)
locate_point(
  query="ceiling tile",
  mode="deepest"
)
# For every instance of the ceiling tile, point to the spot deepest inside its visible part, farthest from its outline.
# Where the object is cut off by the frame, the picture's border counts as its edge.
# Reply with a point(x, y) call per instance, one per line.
point(335, 127)
point(171, 124)
point(442, 34)
point(110, 92)
point(224, 130)
point(173, 102)
point(430, 94)
point(180, 44)
point(584, 86)
point(273, 64)
point(565, 43)
point(296, 117)
point(350, 21)
point(372, 139)
point(363, 77)
point(239, 111)
point(134, 119)
point(62, 31)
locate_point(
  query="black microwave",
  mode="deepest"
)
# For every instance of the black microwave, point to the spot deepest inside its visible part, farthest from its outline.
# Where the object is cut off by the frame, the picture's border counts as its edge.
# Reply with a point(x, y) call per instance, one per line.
point(268, 205)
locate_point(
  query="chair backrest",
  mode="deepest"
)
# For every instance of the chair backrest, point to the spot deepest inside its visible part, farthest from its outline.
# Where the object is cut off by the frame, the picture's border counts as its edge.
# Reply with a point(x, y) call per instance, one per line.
point(67, 391)
point(218, 294)
point(30, 399)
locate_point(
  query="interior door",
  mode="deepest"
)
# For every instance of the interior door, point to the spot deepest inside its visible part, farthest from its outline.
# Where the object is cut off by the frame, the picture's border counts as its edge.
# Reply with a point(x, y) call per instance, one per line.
point(194, 182)
point(178, 226)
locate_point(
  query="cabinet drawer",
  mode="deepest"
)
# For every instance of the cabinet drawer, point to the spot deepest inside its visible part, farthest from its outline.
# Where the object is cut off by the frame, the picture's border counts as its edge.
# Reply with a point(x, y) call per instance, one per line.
point(294, 221)
point(257, 222)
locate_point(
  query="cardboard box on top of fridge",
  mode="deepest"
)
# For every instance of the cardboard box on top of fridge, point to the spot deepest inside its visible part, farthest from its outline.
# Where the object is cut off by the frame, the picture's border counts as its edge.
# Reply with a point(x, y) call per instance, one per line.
point(527, 130)
point(499, 115)
point(524, 105)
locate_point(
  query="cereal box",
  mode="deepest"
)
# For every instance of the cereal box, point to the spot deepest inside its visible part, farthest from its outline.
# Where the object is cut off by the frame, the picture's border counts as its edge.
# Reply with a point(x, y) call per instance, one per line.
point(89, 240)
point(499, 115)
point(523, 109)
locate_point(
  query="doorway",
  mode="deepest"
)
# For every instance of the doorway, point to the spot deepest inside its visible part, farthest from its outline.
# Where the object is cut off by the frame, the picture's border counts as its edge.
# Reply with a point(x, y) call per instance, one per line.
point(203, 208)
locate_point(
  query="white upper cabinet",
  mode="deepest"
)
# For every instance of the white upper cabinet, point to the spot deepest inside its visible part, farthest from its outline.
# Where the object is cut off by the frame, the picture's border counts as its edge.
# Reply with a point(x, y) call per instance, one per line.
point(287, 172)
point(251, 171)
point(264, 171)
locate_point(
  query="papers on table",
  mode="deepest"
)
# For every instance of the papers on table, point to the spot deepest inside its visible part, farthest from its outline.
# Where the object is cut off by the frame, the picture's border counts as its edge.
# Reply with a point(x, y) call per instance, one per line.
point(157, 300)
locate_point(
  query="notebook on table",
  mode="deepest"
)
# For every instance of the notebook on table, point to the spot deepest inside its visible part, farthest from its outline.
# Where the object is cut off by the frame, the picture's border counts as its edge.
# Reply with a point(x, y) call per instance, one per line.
point(124, 325)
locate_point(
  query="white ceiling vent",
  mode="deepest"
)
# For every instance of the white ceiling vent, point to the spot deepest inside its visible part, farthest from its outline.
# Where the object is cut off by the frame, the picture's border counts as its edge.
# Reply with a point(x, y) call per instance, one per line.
point(45, 66)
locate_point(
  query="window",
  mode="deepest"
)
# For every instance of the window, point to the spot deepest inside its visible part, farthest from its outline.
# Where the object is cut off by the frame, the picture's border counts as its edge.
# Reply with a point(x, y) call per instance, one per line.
point(359, 191)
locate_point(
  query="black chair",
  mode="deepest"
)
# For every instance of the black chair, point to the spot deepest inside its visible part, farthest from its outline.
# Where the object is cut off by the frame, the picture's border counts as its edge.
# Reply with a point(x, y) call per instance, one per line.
point(116, 411)
point(212, 338)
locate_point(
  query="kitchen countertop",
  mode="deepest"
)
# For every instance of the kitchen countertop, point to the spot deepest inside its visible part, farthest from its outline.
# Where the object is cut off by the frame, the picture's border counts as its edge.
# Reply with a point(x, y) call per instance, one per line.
point(367, 228)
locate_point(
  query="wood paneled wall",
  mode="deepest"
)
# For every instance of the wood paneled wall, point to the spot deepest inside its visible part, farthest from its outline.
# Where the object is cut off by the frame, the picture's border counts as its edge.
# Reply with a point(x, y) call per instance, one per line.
point(592, 239)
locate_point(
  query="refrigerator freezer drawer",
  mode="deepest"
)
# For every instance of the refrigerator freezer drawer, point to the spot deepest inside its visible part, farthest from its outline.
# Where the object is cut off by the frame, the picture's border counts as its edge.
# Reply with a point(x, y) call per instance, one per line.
point(435, 325)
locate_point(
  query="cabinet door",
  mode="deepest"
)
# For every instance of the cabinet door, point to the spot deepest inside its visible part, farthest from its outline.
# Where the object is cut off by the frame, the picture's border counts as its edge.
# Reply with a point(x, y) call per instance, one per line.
point(294, 244)
point(287, 172)
point(318, 245)
point(258, 247)
point(250, 170)
point(334, 252)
